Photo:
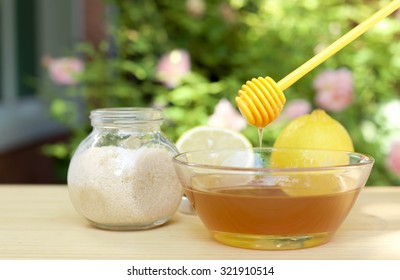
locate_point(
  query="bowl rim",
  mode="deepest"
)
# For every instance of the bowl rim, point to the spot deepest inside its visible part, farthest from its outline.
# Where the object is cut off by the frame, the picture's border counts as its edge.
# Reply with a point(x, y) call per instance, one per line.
point(366, 160)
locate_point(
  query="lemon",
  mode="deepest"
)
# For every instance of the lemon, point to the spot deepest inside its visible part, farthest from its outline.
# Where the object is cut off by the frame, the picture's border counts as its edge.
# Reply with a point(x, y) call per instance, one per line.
point(201, 138)
point(207, 137)
point(313, 131)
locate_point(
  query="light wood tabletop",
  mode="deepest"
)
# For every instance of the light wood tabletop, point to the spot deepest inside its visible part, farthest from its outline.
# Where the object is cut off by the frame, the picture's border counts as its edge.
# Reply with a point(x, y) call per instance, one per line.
point(39, 222)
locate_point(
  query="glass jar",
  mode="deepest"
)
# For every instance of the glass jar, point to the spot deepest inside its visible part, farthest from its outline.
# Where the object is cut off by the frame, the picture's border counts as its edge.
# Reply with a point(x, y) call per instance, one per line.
point(121, 176)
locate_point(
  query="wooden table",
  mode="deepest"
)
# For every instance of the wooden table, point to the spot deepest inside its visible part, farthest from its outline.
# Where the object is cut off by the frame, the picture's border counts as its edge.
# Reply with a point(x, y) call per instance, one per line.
point(39, 222)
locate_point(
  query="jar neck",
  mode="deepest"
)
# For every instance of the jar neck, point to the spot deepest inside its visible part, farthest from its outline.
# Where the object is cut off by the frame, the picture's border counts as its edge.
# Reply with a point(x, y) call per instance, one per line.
point(127, 118)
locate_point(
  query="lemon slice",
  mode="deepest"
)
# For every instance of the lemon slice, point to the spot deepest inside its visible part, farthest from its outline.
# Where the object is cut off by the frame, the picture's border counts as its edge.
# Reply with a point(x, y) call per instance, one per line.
point(213, 138)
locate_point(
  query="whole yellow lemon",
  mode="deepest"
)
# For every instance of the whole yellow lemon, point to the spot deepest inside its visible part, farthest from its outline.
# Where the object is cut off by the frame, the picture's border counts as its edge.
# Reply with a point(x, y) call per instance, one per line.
point(313, 131)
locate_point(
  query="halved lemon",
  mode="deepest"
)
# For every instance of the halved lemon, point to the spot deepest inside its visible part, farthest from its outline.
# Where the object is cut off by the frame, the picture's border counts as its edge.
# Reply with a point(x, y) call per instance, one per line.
point(214, 138)
point(208, 137)
point(212, 146)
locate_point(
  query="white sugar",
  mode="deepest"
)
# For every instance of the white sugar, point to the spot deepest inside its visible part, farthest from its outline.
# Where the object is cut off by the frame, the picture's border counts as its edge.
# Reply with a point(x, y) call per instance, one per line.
point(115, 186)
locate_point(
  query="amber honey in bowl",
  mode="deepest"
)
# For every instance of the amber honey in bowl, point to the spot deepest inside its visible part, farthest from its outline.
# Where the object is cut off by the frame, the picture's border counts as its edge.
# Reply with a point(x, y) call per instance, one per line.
point(237, 216)
point(244, 202)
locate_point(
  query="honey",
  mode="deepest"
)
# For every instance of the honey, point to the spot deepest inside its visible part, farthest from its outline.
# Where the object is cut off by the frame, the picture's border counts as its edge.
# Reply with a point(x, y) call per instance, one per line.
point(265, 217)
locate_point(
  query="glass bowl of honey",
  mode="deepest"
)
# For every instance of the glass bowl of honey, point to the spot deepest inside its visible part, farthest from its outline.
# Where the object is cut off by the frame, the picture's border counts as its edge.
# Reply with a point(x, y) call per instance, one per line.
point(272, 199)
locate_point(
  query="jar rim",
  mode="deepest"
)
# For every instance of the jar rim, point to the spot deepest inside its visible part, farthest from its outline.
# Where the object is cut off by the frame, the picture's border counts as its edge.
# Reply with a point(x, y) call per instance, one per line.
point(126, 115)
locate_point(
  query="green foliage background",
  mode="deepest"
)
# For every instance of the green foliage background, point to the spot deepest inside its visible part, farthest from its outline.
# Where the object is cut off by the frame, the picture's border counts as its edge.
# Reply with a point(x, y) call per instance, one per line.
point(259, 38)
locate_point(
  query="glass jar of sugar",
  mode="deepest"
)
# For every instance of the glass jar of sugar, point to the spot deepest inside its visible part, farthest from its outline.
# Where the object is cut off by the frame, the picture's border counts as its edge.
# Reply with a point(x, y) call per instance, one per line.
point(121, 176)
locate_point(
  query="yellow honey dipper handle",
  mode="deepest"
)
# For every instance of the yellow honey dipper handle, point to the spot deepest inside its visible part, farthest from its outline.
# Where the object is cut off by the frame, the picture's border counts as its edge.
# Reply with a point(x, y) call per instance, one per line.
point(293, 77)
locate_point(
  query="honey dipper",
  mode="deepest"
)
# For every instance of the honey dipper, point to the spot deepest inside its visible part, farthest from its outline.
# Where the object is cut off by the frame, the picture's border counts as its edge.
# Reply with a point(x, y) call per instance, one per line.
point(261, 100)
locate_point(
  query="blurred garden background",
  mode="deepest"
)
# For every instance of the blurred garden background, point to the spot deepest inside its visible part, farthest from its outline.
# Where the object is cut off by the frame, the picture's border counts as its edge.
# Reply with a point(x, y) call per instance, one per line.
point(189, 58)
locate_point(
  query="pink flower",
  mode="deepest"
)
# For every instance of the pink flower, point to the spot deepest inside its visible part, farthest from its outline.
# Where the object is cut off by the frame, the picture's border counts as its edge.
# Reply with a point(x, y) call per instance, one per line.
point(172, 67)
point(393, 158)
point(294, 109)
point(63, 71)
point(334, 89)
point(225, 116)
point(195, 8)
